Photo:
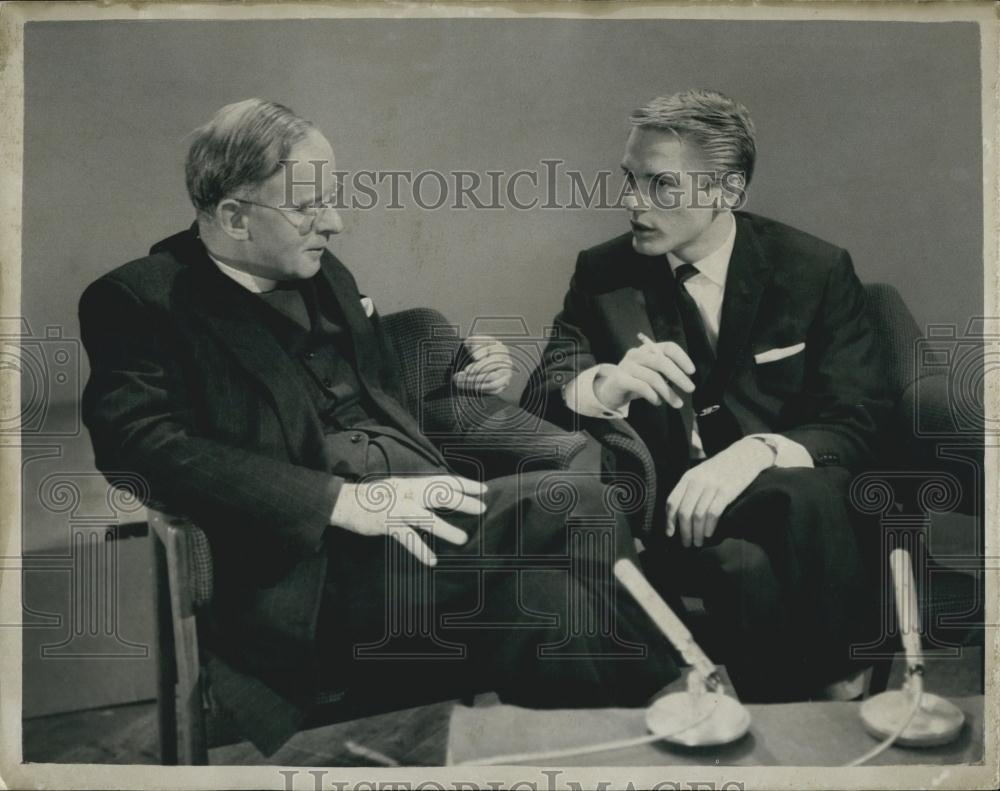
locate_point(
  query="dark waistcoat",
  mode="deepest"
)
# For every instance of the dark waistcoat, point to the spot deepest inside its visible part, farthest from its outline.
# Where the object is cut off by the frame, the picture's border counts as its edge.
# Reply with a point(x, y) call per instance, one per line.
point(307, 324)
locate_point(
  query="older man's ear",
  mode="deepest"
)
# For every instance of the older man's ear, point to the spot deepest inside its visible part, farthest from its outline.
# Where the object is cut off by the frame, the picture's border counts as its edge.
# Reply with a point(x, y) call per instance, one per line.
point(231, 217)
point(491, 369)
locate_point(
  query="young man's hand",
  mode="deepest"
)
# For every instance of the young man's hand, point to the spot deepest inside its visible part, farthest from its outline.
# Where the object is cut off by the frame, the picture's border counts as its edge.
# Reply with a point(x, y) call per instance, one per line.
point(706, 490)
point(654, 372)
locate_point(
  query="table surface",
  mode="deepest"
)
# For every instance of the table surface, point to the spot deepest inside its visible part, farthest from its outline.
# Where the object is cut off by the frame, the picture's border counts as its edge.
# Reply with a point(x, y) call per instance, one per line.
point(792, 734)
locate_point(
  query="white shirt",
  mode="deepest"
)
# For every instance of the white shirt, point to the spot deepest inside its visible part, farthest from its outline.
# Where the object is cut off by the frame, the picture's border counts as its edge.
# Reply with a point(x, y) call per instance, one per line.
point(252, 283)
point(708, 289)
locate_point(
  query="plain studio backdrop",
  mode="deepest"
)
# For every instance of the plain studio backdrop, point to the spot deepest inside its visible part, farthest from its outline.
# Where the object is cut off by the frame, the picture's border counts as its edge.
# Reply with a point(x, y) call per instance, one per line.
point(868, 136)
point(868, 133)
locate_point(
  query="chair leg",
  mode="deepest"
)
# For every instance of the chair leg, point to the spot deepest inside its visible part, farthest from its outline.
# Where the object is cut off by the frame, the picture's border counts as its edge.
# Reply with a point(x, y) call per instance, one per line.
point(191, 717)
point(191, 726)
point(192, 744)
point(166, 667)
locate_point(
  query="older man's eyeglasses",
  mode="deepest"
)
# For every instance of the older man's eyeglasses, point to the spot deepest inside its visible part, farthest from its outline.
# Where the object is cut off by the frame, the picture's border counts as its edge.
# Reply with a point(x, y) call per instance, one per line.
point(301, 217)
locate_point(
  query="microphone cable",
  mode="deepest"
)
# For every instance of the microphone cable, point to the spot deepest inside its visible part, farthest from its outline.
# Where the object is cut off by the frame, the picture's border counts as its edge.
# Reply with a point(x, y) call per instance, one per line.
point(616, 744)
point(889, 740)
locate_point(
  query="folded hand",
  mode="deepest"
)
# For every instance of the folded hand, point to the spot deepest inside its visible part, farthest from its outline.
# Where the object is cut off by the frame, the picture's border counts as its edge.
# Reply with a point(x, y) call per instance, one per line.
point(491, 368)
point(705, 491)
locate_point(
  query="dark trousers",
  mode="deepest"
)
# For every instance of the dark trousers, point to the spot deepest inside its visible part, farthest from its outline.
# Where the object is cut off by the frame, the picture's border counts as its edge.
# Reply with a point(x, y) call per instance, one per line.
point(782, 582)
point(528, 607)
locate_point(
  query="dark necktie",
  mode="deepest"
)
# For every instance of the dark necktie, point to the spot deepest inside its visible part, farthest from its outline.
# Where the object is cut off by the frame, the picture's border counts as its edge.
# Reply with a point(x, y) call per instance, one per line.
point(699, 347)
point(716, 426)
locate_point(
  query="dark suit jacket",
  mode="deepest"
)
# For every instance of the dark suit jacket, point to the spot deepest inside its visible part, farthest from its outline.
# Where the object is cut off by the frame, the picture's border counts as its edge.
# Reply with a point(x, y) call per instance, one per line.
point(189, 390)
point(784, 287)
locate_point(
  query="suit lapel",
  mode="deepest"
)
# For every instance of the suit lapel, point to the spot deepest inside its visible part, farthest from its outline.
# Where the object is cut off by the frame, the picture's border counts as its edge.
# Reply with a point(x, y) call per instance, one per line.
point(642, 303)
point(746, 280)
point(370, 362)
point(232, 314)
point(628, 307)
point(359, 328)
point(661, 301)
point(648, 305)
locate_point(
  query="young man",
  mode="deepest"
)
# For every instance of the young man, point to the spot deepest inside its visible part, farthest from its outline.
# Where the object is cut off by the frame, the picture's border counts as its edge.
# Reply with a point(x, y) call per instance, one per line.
point(238, 369)
point(740, 350)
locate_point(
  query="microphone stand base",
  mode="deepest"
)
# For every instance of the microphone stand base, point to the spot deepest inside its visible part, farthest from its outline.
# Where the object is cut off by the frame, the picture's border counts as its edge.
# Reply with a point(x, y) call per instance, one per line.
point(936, 722)
point(700, 720)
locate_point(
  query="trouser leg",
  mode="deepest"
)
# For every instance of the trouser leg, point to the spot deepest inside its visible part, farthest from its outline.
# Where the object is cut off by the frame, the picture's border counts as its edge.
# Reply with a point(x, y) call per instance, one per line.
point(527, 606)
point(783, 584)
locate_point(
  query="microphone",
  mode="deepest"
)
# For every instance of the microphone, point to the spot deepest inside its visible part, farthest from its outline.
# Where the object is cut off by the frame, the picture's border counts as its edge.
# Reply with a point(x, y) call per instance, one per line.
point(910, 716)
point(703, 715)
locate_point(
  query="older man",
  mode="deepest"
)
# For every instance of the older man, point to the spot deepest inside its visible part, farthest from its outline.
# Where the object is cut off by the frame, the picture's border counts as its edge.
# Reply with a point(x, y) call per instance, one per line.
point(238, 369)
point(740, 350)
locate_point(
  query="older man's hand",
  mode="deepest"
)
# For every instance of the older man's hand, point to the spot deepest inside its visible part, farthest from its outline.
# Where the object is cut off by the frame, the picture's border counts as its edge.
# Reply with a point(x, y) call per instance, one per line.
point(705, 491)
point(366, 508)
point(491, 368)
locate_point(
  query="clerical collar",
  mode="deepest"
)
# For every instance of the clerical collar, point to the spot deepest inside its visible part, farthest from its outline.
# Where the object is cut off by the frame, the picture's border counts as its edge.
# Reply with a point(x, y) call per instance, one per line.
point(252, 283)
point(715, 265)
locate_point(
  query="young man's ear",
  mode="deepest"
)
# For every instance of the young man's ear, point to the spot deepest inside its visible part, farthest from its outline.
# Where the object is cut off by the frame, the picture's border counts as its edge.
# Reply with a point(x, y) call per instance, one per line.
point(232, 218)
point(733, 191)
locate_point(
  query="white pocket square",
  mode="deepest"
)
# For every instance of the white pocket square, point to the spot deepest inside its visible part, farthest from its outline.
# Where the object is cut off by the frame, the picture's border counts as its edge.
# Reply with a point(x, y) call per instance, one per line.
point(368, 306)
point(778, 354)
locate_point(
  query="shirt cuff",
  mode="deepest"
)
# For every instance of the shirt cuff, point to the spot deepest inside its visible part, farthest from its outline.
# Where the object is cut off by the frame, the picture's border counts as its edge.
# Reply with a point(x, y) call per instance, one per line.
point(580, 397)
point(787, 452)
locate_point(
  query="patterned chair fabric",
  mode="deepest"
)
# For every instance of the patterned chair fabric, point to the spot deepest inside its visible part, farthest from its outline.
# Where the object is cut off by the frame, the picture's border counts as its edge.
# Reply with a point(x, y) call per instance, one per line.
point(427, 346)
point(195, 542)
point(917, 385)
point(897, 334)
point(629, 457)
point(201, 556)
